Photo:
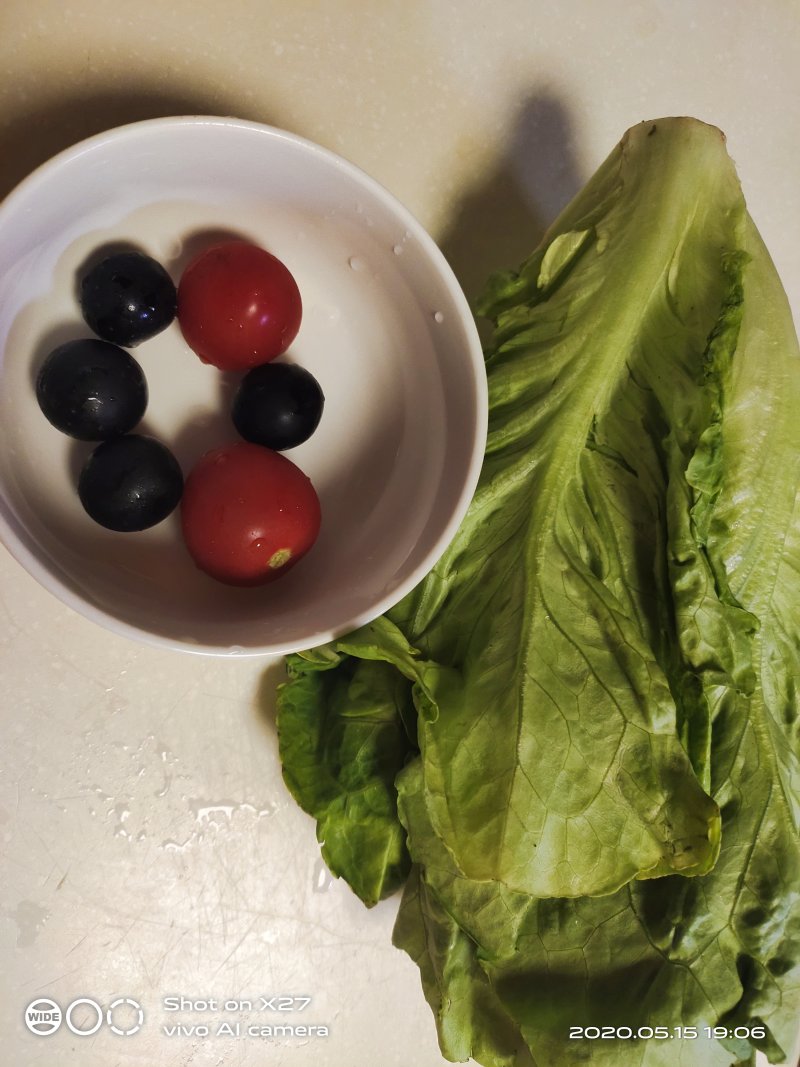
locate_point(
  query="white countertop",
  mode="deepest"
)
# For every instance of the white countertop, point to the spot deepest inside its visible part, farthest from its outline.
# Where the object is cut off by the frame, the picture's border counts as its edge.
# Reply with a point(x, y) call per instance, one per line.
point(151, 848)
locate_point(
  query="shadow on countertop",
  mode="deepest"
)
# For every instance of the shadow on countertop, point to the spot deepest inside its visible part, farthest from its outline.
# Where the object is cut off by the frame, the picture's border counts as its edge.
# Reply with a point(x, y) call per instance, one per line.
point(32, 137)
point(500, 222)
point(497, 224)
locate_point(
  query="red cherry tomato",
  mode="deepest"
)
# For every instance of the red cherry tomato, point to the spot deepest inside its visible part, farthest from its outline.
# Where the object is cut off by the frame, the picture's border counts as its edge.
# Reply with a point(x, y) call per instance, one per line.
point(248, 514)
point(238, 306)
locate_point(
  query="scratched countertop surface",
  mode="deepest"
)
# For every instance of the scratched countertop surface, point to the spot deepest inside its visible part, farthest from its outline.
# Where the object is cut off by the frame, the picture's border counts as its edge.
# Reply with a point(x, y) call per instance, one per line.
point(150, 848)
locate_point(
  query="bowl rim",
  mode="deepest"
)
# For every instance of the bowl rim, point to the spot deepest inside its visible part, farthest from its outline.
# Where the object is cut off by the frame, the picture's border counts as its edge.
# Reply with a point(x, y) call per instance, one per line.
point(17, 543)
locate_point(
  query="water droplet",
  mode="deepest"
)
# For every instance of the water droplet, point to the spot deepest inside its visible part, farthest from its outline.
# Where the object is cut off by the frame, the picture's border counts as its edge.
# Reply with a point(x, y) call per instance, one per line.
point(398, 250)
point(322, 877)
point(356, 263)
point(438, 316)
point(165, 788)
point(204, 810)
point(171, 845)
point(123, 814)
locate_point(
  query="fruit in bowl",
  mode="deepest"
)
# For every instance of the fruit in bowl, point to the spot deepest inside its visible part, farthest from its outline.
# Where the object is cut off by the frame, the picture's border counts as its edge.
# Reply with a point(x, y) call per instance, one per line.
point(388, 338)
point(238, 306)
point(249, 514)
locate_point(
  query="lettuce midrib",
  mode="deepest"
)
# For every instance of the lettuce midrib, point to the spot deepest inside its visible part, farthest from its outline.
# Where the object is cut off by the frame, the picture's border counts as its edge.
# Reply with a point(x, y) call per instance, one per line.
point(582, 408)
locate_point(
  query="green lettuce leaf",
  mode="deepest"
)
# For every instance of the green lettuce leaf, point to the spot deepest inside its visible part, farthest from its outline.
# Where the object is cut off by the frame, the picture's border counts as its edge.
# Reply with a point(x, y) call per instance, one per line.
point(471, 1019)
point(341, 766)
point(594, 698)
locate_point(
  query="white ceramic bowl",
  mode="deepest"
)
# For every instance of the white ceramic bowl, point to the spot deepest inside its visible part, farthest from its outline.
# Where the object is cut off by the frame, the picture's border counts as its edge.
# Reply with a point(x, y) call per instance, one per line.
point(386, 330)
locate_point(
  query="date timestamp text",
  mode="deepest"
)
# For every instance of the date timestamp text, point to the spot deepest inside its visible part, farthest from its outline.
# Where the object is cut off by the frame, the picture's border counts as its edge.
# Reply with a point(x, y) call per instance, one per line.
point(665, 1033)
